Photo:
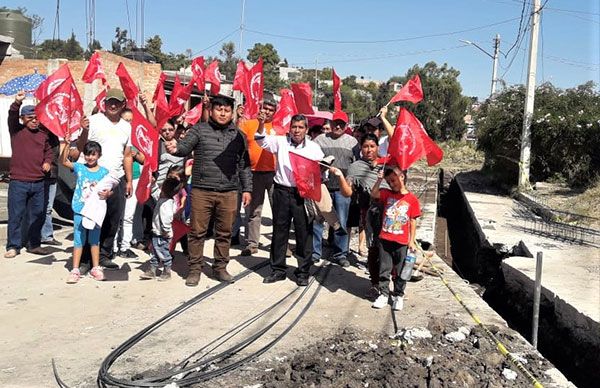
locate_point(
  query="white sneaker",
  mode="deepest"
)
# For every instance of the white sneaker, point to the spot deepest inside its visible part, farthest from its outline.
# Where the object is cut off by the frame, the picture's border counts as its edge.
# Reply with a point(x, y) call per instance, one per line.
point(397, 303)
point(380, 302)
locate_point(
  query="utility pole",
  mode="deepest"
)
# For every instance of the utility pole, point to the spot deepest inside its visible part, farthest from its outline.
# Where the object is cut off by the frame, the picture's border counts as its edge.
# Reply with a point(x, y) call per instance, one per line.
point(495, 69)
point(494, 58)
point(242, 29)
point(316, 80)
point(524, 162)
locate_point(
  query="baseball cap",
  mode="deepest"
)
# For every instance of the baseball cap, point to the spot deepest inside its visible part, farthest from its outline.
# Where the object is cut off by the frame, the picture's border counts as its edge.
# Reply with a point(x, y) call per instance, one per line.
point(374, 121)
point(117, 94)
point(27, 110)
point(340, 115)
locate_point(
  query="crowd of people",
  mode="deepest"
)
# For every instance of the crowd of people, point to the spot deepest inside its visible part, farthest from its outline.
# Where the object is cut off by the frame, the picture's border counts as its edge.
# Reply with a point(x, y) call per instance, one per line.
point(206, 174)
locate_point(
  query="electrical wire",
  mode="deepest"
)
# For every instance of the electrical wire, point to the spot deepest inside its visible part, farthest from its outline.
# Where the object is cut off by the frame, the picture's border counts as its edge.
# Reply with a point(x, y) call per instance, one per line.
point(380, 41)
point(216, 43)
point(519, 31)
point(196, 372)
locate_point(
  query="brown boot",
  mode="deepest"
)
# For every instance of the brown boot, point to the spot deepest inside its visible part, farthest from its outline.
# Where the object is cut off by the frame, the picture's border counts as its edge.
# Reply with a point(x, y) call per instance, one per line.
point(193, 278)
point(222, 275)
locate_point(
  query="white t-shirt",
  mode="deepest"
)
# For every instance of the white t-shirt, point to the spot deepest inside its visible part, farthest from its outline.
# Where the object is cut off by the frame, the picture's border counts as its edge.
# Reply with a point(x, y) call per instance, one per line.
point(384, 142)
point(113, 138)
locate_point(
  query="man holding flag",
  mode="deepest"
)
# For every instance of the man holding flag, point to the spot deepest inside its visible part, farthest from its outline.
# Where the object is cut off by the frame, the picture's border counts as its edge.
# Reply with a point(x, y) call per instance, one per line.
point(263, 171)
point(113, 134)
point(287, 201)
point(30, 162)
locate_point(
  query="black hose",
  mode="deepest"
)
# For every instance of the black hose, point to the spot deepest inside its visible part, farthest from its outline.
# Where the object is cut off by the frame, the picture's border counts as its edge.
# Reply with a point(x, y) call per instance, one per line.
point(105, 379)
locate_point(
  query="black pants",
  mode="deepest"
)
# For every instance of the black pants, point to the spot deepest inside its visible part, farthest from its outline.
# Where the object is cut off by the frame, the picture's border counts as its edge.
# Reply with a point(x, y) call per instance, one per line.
point(392, 256)
point(115, 206)
point(288, 205)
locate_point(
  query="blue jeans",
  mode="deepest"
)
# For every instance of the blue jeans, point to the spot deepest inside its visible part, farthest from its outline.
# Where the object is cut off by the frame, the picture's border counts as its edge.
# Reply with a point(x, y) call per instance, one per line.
point(47, 230)
point(160, 251)
point(340, 242)
point(25, 199)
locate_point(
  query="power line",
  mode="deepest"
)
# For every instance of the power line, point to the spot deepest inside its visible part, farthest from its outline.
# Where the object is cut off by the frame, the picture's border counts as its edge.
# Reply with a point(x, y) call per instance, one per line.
point(380, 41)
point(128, 19)
point(217, 42)
point(520, 29)
point(375, 58)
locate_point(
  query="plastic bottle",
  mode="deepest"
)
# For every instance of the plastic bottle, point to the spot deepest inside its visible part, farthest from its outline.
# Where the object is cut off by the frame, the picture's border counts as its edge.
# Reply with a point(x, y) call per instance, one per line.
point(409, 263)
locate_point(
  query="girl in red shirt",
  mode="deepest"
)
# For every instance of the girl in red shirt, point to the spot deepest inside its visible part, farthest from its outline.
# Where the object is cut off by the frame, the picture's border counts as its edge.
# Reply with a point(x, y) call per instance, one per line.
point(398, 233)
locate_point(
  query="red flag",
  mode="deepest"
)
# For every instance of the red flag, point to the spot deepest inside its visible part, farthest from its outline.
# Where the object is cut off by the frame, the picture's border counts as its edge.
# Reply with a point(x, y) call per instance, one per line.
point(337, 94)
point(52, 82)
point(179, 97)
point(241, 76)
point(412, 91)
point(94, 70)
point(286, 109)
point(180, 229)
point(144, 186)
point(129, 87)
point(198, 73)
point(253, 90)
point(61, 109)
point(159, 84)
point(213, 75)
point(101, 101)
point(303, 98)
point(410, 142)
point(145, 138)
point(161, 107)
point(307, 174)
point(193, 115)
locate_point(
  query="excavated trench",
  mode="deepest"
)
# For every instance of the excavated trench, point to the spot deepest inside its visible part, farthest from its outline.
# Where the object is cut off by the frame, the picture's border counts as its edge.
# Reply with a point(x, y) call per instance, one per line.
point(479, 262)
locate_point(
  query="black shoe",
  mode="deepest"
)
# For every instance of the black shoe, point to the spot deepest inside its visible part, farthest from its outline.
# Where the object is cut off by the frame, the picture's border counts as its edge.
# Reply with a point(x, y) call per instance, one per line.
point(52, 242)
point(344, 262)
point(139, 245)
point(316, 259)
point(274, 277)
point(108, 264)
point(39, 251)
point(128, 254)
point(302, 281)
point(235, 240)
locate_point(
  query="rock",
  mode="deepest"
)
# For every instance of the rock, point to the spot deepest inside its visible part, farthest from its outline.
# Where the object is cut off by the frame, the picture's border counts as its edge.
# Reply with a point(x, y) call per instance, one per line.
point(455, 336)
point(464, 378)
point(493, 359)
point(414, 333)
point(329, 372)
point(509, 374)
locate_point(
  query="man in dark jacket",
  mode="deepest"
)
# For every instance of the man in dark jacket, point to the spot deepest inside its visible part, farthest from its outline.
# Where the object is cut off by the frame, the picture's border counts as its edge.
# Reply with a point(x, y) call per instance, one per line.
point(27, 191)
point(221, 168)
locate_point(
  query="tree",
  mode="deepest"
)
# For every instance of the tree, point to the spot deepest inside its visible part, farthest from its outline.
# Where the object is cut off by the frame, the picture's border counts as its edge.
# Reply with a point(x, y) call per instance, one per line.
point(564, 141)
point(270, 62)
point(72, 49)
point(57, 48)
point(122, 44)
point(94, 45)
point(229, 60)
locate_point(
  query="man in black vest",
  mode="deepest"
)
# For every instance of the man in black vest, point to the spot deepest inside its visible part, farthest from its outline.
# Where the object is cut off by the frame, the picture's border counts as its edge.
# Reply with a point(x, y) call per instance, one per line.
point(221, 169)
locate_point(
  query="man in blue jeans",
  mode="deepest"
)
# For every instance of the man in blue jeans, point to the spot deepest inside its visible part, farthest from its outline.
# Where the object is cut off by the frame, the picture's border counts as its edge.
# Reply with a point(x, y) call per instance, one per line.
point(27, 191)
point(340, 145)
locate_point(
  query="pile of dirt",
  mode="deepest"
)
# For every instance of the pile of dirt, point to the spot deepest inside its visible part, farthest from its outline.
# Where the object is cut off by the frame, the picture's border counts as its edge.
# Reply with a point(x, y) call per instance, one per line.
point(441, 355)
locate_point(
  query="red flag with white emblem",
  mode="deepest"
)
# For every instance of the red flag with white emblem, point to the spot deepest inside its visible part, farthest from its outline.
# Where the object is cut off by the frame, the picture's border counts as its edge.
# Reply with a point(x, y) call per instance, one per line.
point(213, 75)
point(412, 91)
point(101, 101)
point(145, 138)
point(60, 110)
point(307, 174)
point(286, 109)
point(410, 142)
point(303, 98)
point(254, 90)
point(130, 89)
point(193, 115)
point(159, 84)
point(179, 97)
point(161, 107)
point(144, 186)
point(337, 94)
point(241, 75)
point(94, 70)
point(198, 73)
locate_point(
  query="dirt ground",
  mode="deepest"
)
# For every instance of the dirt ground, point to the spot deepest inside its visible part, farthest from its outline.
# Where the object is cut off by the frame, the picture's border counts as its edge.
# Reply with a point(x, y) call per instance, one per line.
point(361, 358)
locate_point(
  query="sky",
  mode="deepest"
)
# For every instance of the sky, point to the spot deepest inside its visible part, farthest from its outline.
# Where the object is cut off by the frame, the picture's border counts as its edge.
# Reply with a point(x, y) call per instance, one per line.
point(374, 39)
